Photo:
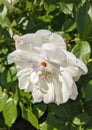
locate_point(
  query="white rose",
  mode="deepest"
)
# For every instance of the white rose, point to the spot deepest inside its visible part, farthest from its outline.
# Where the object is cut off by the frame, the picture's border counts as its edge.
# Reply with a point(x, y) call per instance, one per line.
point(46, 68)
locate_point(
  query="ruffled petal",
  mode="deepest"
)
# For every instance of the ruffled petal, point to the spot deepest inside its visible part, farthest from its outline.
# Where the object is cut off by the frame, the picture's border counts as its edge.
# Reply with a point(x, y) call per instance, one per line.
point(74, 93)
point(58, 99)
point(55, 53)
point(41, 37)
point(49, 96)
point(34, 77)
point(45, 92)
point(67, 85)
point(37, 94)
point(82, 66)
point(24, 59)
point(41, 52)
point(58, 40)
point(24, 42)
point(75, 66)
point(24, 80)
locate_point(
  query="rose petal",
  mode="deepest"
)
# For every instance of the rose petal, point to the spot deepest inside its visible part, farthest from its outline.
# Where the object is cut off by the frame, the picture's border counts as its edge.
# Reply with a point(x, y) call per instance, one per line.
point(25, 59)
point(55, 53)
point(34, 77)
point(41, 36)
point(58, 40)
point(75, 66)
point(37, 95)
point(24, 42)
point(24, 80)
point(49, 96)
point(67, 85)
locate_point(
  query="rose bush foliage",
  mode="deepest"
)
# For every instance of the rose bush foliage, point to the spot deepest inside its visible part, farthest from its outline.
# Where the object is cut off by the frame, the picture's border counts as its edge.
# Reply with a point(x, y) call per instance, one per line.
point(69, 19)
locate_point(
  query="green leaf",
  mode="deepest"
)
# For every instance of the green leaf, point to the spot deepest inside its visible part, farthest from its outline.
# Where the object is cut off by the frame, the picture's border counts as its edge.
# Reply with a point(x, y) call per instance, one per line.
point(84, 21)
point(1, 7)
point(46, 18)
point(3, 14)
point(88, 91)
point(66, 8)
point(39, 109)
point(69, 25)
point(82, 50)
point(49, 7)
point(90, 66)
point(10, 112)
point(60, 111)
point(83, 1)
point(3, 99)
point(53, 122)
point(44, 126)
point(81, 119)
point(0, 91)
point(29, 116)
point(3, 78)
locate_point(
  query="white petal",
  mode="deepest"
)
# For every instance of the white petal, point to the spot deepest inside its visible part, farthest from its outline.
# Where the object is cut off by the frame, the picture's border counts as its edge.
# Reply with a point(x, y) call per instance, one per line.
point(82, 66)
point(24, 59)
point(67, 85)
point(58, 40)
point(41, 52)
point(25, 42)
point(75, 66)
point(74, 93)
point(71, 59)
point(55, 53)
point(49, 96)
point(74, 71)
point(58, 99)
point(34, 77)
point(37, 94)
point(41, 36)
point(19, 54)
point(28, 38)
point(44, 92)
point(24, 80)
point(23, 71)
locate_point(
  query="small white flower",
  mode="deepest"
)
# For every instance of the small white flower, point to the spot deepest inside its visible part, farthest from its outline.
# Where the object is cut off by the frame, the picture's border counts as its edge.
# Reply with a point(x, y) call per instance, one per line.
point(46, 68)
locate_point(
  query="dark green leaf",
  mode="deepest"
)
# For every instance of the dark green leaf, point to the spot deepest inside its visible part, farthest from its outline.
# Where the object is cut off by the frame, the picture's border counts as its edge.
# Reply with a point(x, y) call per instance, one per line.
point(3, 78)
point(84, 21)
point(59, 111)
point(39, 109)
point(54, 123)
point(82, 119)
point(88, 91)
point(1, 7)
point(69, 25)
